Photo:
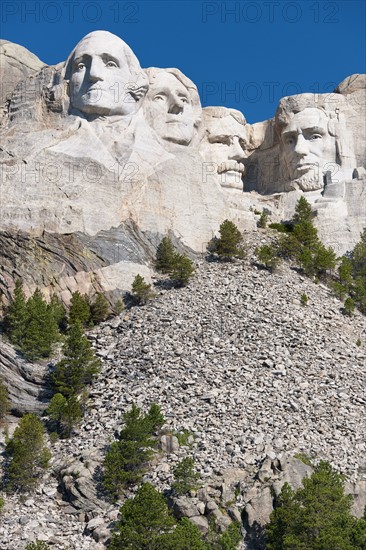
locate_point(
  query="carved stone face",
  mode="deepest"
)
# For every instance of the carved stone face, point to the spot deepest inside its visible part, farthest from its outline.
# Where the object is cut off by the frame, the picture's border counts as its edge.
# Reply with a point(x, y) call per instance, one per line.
point(169, 110)
point(99, 76)
point(224, 147)
point(308, 149)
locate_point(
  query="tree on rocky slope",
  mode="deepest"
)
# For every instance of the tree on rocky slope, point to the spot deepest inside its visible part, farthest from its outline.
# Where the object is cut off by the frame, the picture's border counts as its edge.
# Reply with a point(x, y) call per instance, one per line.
point(165, 255)
point(230, 243)
point(316, 517)
point(127, 458)
point(28, 457)
point(4, 400)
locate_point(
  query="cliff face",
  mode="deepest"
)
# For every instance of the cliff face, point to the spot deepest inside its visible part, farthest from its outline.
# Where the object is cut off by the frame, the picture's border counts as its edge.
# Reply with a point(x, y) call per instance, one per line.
point(90, 184)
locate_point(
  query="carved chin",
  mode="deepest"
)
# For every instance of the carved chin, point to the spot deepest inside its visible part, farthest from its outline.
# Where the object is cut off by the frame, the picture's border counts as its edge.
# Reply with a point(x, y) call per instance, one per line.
point(311, 181)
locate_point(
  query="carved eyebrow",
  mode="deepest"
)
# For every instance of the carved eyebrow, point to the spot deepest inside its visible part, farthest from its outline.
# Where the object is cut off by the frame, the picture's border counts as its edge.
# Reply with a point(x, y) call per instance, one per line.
point(315, 130)
point(109, 57)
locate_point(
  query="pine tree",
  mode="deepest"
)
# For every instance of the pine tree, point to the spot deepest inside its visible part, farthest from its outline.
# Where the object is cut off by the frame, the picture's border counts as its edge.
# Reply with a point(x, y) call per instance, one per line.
point(16, 316)
point(79, 364)
point(144, 521)
point(79, 309)
point(349, 307)
point(127, 458)
point(165, 256)
point(99, 308)
point(268, 256)
point(303, 212)
point(185, 476)
point(315, 517)
point(141, 290)
point(41, 330)
point(27, 453)
point(4, 400)
point(229, 244)
point(59, 312)
point(185, 536)
point(183, 269)
point(66, 412)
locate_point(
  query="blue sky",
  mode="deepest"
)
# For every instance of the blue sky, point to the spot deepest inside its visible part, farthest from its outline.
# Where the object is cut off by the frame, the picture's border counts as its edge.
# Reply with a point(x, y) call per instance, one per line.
point(241, 54)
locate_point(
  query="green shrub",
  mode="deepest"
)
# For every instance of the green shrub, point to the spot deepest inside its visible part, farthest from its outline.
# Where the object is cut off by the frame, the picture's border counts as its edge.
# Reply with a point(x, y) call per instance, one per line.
point(127, 458)
point(230, 243)
point(349, 307)
point(2, 504)
point(185, 476)
point(37, 545)
point(141, 290)
point(4, 400)
point(268, 256)
point(99, 309)
point(304, 299)
point(183, 269)
point(65, 412)
point(262, 222)
point(27, 454)
point(165, 256)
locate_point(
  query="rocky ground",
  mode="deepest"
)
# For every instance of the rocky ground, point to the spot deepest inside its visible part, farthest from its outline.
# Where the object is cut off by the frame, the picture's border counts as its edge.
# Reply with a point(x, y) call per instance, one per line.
point(235, 360)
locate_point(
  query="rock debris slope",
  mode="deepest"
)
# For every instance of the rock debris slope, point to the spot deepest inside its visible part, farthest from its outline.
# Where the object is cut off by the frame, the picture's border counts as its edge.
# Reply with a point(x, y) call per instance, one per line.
point(233, 358)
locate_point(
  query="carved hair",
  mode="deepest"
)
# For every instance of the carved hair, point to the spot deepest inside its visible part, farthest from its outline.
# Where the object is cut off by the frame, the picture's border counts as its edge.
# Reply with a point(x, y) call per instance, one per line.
point(223, 112)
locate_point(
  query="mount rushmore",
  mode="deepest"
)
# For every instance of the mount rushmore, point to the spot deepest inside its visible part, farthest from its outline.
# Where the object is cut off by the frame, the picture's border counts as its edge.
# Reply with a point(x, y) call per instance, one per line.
point(100, 159)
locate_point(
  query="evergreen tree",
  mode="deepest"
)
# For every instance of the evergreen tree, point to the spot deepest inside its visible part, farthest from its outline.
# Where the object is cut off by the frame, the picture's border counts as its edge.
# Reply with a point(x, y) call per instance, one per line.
point(262, 222)
point(79, 309)
point(185, 536)
point(144, 521)
point(303, 212)
point(345, 271)
point(183, 269)
point(66, 412)
point(59, 312)
point(37, 545)
point(4, 400)
point(315, 517)
point(268, 256)
point(16, 316)
point(79, 364)
point(349, 307)
point(165, 256)
point(41, 330)
point(27, 453)
point(127, 458)
point(229, 244)
point(141, 290)
point(155, 418)
point(99, 308)
point(185, 476)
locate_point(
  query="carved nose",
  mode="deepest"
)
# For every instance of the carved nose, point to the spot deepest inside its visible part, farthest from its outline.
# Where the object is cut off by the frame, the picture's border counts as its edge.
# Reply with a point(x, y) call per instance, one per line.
point(301, 147)
point(236, 152)
point(176, 106)
point(95, 71)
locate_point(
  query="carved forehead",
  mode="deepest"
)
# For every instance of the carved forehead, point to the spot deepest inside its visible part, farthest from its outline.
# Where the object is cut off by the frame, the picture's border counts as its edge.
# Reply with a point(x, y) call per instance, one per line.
point(307, 118)
point(164, 80)
point(226, 126)
point(100, 42)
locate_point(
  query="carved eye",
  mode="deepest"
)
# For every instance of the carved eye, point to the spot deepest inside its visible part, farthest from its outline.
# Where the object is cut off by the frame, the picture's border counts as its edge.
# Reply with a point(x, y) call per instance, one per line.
point(111, 64)
point(159, 97)
point(314, 137)
point(80, 66)
point(184, 99)
point(289, 141)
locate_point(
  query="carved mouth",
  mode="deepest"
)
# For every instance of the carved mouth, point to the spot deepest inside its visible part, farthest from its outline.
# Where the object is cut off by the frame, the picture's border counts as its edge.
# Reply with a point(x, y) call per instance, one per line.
point(231, 166)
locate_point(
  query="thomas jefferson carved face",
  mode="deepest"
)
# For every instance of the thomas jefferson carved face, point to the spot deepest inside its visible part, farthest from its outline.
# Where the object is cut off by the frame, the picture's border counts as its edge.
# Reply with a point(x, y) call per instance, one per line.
point(224, 146)
point(169, 109)
point(100, 76)
point(307, 148)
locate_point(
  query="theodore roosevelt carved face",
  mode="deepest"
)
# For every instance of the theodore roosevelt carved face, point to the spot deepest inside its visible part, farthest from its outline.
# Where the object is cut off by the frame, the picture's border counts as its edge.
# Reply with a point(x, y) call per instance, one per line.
point(104, 76)
point(223, 144)
point(172, 106)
